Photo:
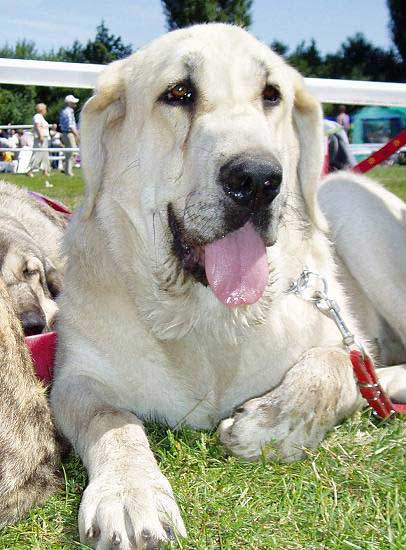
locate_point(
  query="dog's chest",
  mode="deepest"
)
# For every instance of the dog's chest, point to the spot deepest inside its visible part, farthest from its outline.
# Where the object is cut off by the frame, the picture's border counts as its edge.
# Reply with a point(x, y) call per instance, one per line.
point(199, 379)
point(199, 382)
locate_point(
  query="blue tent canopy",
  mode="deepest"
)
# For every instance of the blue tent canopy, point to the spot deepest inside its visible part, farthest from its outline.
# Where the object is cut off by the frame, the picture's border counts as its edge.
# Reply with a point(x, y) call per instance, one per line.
point(377, 124)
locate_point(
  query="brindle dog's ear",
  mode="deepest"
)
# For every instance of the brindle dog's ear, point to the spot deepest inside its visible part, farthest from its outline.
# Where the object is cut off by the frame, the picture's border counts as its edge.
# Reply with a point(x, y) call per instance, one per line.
point(106, 106)
point(53, 278)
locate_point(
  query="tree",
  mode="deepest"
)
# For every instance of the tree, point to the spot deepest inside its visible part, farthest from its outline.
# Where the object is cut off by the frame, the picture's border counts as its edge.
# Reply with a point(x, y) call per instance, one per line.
point(104, 49)
point(358, 59)
point(183, 13)
point(23, 49)
point(17, 102)
point(397, 25)
point(279, 47)
point(307, 59)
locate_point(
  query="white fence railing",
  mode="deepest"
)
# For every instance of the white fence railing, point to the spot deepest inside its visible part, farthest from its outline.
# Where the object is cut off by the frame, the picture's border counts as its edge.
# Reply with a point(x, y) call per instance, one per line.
point(84, 75)
point(48, 73)
point(356, 149)
point(17, 126)
point(49, 149)
point(368, 148)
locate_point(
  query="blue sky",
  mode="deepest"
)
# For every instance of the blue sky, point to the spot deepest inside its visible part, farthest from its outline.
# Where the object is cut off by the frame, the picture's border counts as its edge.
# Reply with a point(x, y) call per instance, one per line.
point(51, 23)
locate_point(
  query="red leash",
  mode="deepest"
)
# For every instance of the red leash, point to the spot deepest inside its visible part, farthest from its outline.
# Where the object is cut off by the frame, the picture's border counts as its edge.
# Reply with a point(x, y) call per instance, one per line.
point(312, 287)
point(369, 386)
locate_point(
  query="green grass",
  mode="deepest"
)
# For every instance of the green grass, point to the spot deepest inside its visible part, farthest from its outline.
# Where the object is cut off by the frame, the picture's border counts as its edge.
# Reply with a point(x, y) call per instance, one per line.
point(349, 494)
point(68, 190)
point(393, 178)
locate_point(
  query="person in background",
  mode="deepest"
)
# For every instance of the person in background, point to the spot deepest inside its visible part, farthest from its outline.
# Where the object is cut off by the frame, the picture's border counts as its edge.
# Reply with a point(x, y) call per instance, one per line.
point(13, 140)
point(7, 156)
point(343, 119)
point(22, 138)
point(339, 152)
point(3, 139)
point(55, 143)
point(40, 159)
point(70, 133)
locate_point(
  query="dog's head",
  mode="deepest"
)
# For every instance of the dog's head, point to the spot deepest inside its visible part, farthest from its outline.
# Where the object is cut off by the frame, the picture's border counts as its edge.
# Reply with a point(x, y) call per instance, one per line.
point(32, 282)
point(201, 139)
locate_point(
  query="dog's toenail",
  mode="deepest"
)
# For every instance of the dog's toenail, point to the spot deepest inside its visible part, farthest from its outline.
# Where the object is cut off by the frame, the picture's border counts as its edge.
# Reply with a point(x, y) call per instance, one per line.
point(169, 532)
point(93, 533)
point(116, 539)
point(146, 534)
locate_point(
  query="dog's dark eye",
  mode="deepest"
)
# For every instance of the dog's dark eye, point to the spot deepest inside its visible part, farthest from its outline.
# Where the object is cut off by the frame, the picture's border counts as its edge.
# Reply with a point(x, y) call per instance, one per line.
point(29, 273)
point(271, 95)
point(182, 93)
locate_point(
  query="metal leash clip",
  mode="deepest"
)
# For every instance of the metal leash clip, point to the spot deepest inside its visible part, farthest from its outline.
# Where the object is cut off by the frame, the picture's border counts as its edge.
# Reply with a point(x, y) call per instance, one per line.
point(312, 287)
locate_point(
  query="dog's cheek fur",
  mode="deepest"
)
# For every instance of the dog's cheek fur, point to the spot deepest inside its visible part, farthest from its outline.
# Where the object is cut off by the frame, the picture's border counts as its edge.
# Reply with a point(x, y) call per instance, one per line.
point(23, 298)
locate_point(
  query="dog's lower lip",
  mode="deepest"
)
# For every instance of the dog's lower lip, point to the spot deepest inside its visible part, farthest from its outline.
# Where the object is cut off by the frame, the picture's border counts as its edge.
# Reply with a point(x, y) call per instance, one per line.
point(191, 257)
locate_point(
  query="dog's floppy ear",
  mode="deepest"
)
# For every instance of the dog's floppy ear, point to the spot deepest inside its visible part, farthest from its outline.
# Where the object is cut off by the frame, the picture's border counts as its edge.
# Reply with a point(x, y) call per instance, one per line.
point(106, 106)
point(53, 277)
point(308, 123)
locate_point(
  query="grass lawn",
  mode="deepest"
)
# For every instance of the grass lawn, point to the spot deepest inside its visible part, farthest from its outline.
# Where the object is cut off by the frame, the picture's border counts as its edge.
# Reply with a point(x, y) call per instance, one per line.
point(349, 494)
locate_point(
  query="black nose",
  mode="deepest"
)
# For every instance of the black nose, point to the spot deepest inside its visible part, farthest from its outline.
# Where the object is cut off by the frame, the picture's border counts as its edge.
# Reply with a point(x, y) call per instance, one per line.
point(33, 322)
point(252, 180)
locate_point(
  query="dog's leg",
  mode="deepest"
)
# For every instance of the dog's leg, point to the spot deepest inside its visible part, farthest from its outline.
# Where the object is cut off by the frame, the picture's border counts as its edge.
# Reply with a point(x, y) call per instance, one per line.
point(128, 502)
point(393, 381)
point(316, 393)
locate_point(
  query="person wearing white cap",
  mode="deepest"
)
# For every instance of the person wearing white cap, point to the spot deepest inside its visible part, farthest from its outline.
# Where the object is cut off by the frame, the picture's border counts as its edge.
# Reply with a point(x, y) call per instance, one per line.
point(69, 129)
point(40, 159)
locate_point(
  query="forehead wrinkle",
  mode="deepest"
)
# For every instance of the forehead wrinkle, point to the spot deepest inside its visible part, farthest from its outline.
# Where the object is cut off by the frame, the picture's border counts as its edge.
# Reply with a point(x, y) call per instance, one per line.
point(192, 61)
point(185, 68)
point(262, 67)
point(270, 69)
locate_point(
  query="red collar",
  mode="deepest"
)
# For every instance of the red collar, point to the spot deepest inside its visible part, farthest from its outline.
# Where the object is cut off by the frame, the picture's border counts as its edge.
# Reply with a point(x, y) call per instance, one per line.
point(42, 346)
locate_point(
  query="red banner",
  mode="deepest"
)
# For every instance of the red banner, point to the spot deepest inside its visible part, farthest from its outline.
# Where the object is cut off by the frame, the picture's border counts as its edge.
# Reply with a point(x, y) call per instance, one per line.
point(382, 154)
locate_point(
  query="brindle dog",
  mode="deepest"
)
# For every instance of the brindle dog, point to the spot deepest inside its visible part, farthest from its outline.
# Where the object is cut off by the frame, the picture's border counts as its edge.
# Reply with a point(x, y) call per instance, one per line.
point(29, 453)
point(31, 262)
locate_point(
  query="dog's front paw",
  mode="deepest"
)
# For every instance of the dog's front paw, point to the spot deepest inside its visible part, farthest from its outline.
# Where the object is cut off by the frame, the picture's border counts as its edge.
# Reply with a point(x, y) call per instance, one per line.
point(261, 428)
point(129, 514)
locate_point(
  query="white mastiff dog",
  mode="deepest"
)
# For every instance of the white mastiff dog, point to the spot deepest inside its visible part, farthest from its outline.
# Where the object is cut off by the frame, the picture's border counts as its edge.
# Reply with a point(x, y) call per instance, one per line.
point(202, 154)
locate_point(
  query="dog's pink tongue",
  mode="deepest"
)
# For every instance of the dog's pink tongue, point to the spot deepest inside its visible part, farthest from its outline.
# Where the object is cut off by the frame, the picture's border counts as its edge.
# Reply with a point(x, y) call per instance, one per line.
point(236, 267)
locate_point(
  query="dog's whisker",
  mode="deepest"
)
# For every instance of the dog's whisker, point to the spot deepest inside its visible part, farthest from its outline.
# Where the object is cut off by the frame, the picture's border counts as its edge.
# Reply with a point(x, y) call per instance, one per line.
point(133, 164)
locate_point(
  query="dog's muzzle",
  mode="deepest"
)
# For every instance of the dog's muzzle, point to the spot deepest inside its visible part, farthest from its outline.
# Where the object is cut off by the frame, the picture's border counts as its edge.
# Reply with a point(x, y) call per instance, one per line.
point(33, 322)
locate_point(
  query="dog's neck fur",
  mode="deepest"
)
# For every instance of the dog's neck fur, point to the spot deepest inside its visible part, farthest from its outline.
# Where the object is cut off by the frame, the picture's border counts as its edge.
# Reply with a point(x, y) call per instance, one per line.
point(170, 303)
